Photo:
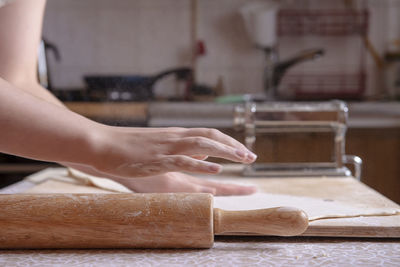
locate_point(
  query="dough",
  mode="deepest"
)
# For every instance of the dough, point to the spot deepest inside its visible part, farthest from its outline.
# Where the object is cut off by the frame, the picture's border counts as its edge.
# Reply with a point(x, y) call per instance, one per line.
point(103, 183)
point(55, 186)
point(316, 209)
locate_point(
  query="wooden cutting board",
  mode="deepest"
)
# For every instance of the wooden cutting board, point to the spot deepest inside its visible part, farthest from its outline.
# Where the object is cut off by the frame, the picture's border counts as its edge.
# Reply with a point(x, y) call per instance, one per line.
point(344, 190)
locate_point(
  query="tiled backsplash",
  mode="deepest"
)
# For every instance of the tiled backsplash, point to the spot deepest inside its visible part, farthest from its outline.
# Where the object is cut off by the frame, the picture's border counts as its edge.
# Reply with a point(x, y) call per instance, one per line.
point(148, 36)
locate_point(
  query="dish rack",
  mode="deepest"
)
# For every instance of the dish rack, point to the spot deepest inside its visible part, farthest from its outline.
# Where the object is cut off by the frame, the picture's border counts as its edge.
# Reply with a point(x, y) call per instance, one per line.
point(290, 117)
point(323, 27)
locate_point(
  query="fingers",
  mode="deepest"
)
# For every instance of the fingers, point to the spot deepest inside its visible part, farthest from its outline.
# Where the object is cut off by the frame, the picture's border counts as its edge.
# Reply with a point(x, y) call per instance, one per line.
point(215, 135)
point(189, 164)
point(189, 187)
point(201, 145)
point(195, 188)
point(172, 182)
point(200, 157)
point(218, 136)
point(225, 189)
point(171, 163)
point(146, 152)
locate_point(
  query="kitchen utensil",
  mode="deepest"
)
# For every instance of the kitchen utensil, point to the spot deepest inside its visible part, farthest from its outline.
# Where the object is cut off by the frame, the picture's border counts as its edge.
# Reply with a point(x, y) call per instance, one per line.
point(261, 119)
point(130, 87)
point(132, 221)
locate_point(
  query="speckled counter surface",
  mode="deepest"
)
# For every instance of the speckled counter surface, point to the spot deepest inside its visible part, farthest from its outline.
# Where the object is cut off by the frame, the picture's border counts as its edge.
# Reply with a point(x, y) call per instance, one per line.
point(227, 251)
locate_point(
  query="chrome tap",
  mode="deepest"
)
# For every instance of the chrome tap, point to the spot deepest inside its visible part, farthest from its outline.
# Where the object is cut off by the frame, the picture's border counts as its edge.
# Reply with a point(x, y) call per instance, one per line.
point(43, 70)
point(275, 69)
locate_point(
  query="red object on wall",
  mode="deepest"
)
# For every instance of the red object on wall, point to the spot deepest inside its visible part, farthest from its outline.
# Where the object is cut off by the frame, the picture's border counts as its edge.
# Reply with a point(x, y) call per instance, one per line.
point(200, 48)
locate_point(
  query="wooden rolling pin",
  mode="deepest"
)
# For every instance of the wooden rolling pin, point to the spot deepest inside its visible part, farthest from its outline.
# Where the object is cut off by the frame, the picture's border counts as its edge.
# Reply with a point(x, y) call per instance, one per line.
point(132, 221)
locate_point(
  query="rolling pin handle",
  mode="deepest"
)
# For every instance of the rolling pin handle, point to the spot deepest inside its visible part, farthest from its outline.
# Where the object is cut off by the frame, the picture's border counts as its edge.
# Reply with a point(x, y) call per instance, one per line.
point(280, 221)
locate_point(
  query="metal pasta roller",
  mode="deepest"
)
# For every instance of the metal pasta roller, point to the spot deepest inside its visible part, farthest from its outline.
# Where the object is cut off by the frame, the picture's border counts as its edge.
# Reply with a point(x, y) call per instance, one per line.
point(268, 120)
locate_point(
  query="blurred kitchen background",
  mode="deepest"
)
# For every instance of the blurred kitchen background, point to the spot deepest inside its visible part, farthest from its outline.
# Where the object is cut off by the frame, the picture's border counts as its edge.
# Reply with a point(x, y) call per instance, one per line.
point(145, 37)
point(189, 62)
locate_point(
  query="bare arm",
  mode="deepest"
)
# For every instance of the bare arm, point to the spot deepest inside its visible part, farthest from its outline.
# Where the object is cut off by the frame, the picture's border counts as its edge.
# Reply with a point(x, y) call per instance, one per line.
point(20, 32)
point(36, 129)
point(36, 125)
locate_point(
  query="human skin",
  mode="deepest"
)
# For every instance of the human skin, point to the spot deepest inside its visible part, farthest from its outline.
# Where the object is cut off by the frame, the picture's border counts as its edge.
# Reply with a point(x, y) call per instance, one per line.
point(36, 125)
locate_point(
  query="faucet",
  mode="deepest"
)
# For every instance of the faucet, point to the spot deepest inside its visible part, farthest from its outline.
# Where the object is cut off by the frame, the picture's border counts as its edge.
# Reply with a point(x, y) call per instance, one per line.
point(275, 69)
point(43, 70)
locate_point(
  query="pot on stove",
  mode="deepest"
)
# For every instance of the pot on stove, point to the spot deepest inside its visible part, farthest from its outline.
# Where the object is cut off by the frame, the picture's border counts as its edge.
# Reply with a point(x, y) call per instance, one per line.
point(131, 87)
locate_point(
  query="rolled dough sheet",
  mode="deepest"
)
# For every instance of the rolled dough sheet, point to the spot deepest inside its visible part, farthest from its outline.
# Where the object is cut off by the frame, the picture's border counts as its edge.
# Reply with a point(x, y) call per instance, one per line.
point(316, 208)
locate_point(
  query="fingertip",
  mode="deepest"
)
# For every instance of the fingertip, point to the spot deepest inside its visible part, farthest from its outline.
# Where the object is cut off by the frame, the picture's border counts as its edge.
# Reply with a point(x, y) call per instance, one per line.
point(245, 190)
point(209, 190)
point(248, 190)
point(251, 157)
point(241, 154)
point(214, 168)
point(238, 190)
point(245, 156)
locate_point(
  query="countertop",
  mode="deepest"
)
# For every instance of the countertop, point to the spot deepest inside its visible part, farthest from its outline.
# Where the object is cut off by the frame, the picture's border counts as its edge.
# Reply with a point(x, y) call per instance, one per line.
point(227, 251)
point(210, 114)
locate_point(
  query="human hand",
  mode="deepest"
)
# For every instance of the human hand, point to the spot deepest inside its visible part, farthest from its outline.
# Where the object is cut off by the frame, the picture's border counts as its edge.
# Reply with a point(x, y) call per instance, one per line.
point(175, 182)
point(138, 152)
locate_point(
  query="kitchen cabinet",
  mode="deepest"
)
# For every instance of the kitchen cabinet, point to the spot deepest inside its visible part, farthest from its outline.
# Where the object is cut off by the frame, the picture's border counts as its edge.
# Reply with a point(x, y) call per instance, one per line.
point(380, 151)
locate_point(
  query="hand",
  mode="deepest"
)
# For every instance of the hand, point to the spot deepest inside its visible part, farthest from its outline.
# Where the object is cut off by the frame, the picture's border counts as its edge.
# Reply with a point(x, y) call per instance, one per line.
point(174, 182)
point(139, 152)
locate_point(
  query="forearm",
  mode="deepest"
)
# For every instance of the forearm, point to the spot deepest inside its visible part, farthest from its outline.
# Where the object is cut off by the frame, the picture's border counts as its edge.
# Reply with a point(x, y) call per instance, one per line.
point(36, 129)
point(39, 91)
